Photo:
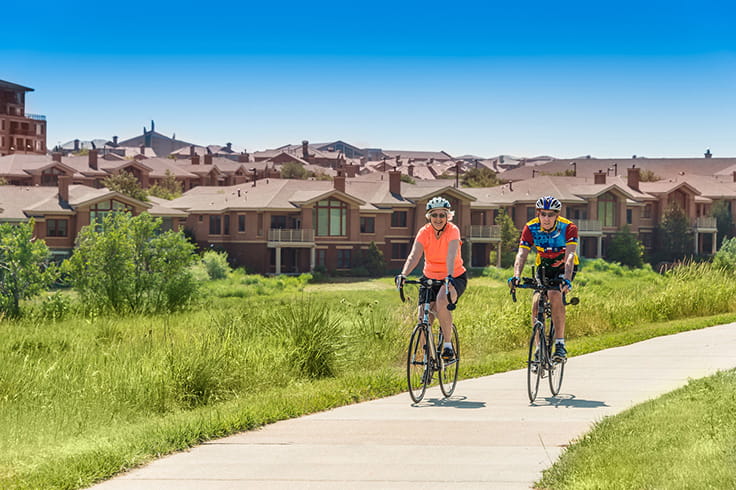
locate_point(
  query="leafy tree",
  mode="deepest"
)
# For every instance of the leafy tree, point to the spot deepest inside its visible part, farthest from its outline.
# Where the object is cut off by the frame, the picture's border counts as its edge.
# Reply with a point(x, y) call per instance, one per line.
point(480, 177)
point(407, 179)
point(646, 175)
point(721, 212)
point(168, 188)
point(675, 235)
point(126, 183)
point(372, 261)
point(292, 170)
point(128, 265)
point(509, 238)
point(24, 266)
point(626, 249)
point(3, 181)
point(216, 264)
point(726, 256)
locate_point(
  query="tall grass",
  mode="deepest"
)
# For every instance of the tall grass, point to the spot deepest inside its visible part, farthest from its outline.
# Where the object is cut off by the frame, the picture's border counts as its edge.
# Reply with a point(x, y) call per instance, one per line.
point(117, 390)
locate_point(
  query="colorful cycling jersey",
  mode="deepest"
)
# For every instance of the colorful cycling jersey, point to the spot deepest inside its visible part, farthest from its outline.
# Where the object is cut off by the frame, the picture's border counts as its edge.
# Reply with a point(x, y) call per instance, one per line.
point(435, 251)
point(550, 245)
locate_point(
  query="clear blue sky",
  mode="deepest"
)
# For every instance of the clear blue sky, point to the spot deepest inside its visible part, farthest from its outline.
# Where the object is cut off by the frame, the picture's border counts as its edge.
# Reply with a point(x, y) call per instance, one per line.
point(654, 78)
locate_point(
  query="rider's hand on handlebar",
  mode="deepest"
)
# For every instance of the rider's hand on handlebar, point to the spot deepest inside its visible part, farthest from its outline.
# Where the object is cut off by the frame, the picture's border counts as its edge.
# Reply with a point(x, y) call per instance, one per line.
point(399, 280)
point(566, 286)
point(450, 280)
point(513, 282)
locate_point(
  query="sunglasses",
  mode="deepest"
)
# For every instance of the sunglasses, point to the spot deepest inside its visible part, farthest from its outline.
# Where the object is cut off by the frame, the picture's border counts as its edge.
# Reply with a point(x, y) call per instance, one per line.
point(551, 214)
point(438, 215)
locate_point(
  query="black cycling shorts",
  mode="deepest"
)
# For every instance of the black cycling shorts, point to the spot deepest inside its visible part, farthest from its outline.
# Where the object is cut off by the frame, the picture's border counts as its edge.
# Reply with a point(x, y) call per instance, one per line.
point(554, 273)
point(461, 282)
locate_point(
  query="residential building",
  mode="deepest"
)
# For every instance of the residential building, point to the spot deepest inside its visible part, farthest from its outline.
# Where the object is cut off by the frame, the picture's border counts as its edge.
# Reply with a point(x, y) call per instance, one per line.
point(19, 132)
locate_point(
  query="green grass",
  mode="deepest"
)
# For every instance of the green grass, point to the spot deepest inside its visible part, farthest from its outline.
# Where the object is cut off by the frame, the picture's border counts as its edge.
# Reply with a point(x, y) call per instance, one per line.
point(685, 439)
point(82, 398)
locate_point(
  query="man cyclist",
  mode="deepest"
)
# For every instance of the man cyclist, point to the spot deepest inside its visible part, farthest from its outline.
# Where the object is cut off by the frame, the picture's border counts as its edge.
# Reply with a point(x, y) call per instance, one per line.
point(439, 242)
point(555, 240)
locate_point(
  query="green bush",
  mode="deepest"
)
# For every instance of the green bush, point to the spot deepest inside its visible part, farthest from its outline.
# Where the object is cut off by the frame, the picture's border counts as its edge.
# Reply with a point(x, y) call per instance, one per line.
point(216, 264)
point(726, 257)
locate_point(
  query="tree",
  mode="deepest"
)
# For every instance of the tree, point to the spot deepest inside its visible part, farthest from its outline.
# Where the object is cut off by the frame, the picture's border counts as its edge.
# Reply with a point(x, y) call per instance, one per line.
point(372, 260)
point(675, 235)
point(646, 175)
point(292, 170)
point(625, 249)
point(480, 177)
point(128, 265)
point(726, 256)
point(24, 266)
point(168, 188)
point(509, 238)
point(126, 183)
point(721, 212)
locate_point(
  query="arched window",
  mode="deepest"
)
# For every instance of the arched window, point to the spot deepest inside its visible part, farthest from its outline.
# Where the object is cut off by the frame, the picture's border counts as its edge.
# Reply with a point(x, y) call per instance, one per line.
point(97, 212)
point(331, 218)
point(607, 210)
point(50, 176)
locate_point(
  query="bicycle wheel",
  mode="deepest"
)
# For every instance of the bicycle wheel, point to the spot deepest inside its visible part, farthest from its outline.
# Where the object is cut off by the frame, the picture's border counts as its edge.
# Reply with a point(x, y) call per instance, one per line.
point(556, 369)
point(534, 364)
point(417, 364)
point(449, 369)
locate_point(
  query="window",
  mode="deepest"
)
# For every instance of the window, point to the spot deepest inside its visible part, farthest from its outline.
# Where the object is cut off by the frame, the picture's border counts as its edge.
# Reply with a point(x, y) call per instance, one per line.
point(241, 223)
point(629, 216)
point(399, 251)
point(647, 213)
point(343, 259)
point(215, 224)
point(398, 219)
point(50, 176)
point(321, 257)
point(531, 212)
point(56, 227)
point(226, 231)
point(98, 211)
point(331, 219)
point(367, 225)
point(607, 210)
point(278, 222)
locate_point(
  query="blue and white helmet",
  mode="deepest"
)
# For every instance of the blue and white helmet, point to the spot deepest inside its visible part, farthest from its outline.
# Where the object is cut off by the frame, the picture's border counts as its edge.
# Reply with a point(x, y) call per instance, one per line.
point(438, 202)
point(549, 202)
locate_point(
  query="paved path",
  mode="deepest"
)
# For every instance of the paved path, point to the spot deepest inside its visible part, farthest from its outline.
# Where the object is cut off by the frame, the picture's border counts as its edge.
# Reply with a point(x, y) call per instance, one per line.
point(486, 436)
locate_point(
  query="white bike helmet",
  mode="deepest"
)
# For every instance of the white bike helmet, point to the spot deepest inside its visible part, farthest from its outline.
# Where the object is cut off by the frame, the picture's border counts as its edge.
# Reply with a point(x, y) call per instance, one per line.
point(549, 202)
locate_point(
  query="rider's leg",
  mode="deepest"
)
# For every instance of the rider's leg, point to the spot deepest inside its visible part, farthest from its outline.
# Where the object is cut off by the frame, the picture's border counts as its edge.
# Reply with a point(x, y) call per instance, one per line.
point(558, 313)
point(443, 314)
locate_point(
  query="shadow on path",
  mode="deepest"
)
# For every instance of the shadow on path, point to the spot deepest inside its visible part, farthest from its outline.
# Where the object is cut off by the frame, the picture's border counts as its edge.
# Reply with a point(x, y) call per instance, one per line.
point(453, 402)
point(568, 400)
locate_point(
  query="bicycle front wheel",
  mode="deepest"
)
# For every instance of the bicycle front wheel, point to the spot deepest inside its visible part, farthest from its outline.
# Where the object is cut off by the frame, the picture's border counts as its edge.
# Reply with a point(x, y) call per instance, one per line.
point(417, 364)
point(534, 364)
point(449, 369)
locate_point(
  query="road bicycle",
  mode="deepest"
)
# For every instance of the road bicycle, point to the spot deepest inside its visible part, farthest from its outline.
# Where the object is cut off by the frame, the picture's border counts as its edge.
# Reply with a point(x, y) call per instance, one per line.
point(424, 357)
point(540, 362)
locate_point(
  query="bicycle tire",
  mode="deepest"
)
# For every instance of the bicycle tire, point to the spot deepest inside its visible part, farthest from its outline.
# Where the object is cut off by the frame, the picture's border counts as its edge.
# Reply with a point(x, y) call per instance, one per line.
point(556, 369)
point(449, 371)
point(417, 364)
point(534, 367)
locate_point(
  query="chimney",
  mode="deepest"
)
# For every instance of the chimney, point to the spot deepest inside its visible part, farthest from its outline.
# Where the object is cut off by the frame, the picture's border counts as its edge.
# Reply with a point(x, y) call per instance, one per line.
point(350, 170)
point(633, 177)
point(114, 141)
point(191, 150)
point(143, 149)
point(734, 175)
point(411, 170)
point(76, 145)
point(708, 154)
point(599, 177)
point(93, 159)
point(195, 159)
point(511, 186)
point(229, 147)
point(243, 157)
point(64, 181)
point(305, 149)
point(208, 159)
point(339, 182)
point(394, 182)
point(56, 156)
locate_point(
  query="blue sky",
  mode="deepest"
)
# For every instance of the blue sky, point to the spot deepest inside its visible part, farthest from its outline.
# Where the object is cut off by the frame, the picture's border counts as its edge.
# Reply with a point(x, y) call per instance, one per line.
point(485, 78)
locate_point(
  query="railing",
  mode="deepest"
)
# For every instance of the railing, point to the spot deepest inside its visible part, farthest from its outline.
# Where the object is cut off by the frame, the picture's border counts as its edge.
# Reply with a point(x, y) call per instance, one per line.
point(492, 232)
point(290, 235)
point(588, 224)
point(705, 222)
point(37, 117)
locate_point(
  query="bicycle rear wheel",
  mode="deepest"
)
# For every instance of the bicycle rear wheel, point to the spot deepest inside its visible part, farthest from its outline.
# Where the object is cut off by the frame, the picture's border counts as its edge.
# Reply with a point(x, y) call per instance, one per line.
point(556, 368)
point(534, 364)
point(417, 364)
point(449, 369)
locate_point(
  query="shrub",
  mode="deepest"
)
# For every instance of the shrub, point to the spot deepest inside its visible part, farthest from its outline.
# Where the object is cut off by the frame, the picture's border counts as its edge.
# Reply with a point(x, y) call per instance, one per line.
point(216, 264)
point(725, 258)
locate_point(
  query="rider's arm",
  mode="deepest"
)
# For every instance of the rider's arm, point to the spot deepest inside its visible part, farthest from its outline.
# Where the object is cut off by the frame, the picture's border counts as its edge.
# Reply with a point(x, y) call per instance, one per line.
point(521, 256)
point(452, 251)
point(413, 259)
point(570, 250)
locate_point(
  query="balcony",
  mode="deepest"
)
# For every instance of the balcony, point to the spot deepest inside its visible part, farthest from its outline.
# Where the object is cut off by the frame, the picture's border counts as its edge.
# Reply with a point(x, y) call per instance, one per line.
point(36, 117)
point(290, 237)
point(705, 224)
point(482, 233)
point(589, 227)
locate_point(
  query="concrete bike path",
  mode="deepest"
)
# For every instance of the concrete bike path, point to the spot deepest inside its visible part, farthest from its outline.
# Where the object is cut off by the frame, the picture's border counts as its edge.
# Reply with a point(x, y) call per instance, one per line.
point(486, 436)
